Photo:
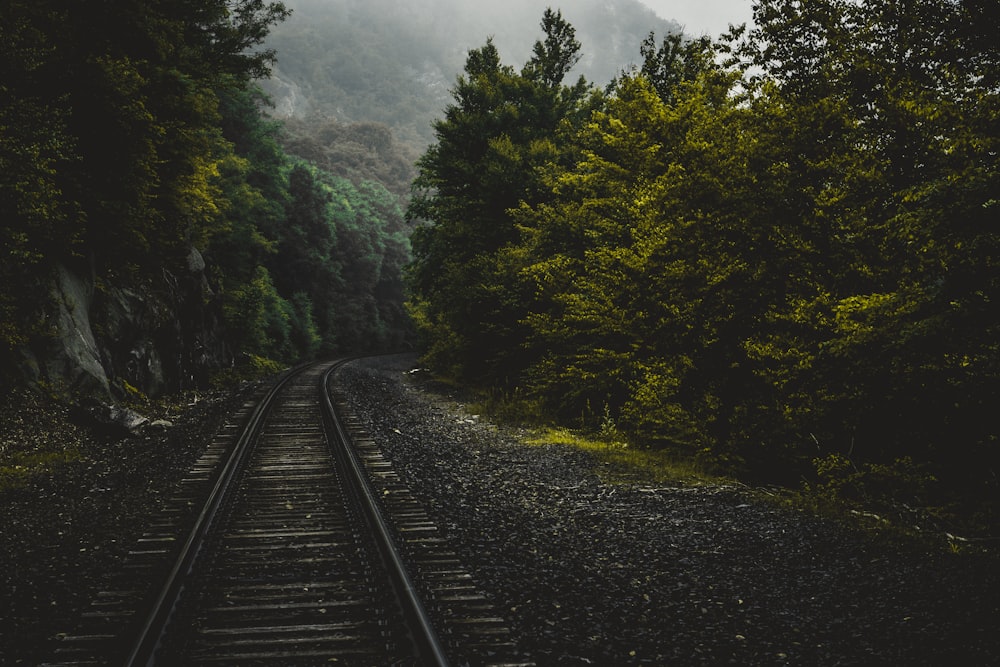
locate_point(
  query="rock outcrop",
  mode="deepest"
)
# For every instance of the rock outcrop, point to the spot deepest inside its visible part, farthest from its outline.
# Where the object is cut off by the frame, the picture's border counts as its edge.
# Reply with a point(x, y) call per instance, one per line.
point(288, 99)
point(107, 342)
point(72, 358)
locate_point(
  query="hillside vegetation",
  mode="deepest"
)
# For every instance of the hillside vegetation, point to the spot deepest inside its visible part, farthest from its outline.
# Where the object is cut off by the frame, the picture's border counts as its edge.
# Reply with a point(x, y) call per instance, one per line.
point(152, 230)
point(394, 63)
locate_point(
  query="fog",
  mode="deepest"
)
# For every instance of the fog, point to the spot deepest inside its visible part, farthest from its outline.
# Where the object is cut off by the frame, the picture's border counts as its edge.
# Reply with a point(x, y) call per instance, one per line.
point(395, 63)
point(711, 17)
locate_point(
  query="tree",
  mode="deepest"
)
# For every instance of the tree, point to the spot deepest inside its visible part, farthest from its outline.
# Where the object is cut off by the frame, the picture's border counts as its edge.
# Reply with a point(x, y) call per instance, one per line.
point(553, 58)
point(894, 350)
point(489, 146)
point(130, 88)
point(637, 260)
point(676, 61)
point(113, 160)
point(38, 217)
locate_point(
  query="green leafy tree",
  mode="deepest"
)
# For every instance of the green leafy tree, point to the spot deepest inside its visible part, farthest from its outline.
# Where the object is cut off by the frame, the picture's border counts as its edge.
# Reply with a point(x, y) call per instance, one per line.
point(677, 60)
point(342, 247)
point(257, 317)
point(634, 262)
point(111, 148)
point(490, 144)
point(903, 347)
point(775, 261)
point(38, 218)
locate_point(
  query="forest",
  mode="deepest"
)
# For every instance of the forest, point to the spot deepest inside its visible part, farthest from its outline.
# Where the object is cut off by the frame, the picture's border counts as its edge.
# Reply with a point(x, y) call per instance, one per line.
point(134, 145)
point(774, 252)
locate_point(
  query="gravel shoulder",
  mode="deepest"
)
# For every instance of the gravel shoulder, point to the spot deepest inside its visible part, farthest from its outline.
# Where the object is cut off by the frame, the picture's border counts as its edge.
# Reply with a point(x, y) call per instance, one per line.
point(64, 533)
point(587, 572)
point(592, 573)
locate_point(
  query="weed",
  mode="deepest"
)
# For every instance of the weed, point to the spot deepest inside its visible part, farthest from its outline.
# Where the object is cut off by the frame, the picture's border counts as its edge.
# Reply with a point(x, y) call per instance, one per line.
point(619, 462)
point(20, 468)
point(511, 407)
point(252, 368)
point(132, 395)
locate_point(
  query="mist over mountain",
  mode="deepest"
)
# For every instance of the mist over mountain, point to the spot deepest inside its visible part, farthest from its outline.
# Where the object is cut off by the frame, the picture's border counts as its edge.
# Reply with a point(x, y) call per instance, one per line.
point(395, 63)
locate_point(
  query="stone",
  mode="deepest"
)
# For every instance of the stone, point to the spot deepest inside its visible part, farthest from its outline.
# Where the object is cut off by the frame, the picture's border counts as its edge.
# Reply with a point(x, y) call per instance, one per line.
point(109, 419)
point(73, 358)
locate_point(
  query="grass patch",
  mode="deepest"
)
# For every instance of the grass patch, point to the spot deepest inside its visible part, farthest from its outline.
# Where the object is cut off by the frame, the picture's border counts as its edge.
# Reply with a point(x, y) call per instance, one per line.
point(20, 468)
point(617, 460)
point(621, 463)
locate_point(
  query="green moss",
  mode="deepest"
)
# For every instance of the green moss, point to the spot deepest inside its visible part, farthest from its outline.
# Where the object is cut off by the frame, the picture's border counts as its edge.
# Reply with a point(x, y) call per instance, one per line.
point(20, 468)
point(619, 462)
point(133, 395)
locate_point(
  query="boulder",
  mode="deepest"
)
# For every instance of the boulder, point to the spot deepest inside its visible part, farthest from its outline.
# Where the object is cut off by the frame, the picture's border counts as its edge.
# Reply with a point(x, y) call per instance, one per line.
point(164, 335)
point(109, 419)
point(160, 334)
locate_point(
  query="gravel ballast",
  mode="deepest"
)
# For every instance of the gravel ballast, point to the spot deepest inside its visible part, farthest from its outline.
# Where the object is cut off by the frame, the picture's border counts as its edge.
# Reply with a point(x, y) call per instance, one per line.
point(64, 533)
point(587, 572)
point(594, 573)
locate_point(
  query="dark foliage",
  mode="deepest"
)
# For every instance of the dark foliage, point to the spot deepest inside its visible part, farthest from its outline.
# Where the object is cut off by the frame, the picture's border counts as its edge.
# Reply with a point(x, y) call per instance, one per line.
point(774, 252)
point(131, 135)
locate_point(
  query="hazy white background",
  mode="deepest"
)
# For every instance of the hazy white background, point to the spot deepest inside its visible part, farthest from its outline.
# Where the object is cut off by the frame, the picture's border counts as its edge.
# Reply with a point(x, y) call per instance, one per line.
point(698, 17)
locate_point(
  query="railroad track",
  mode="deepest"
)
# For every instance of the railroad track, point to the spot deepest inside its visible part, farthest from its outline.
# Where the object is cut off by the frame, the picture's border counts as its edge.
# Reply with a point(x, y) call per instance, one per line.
point(305, 549)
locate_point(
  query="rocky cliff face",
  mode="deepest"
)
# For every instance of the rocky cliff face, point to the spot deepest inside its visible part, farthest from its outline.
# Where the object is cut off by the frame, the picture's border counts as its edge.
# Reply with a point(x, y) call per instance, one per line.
point(288, 98)
point(160, 336)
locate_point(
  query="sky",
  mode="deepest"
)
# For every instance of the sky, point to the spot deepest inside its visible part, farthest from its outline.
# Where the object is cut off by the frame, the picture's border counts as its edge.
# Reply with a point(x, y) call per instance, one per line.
point(699, 17)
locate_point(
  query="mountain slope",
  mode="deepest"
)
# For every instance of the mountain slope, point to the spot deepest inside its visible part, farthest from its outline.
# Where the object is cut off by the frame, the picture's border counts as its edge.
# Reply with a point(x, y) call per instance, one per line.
point(395, 63)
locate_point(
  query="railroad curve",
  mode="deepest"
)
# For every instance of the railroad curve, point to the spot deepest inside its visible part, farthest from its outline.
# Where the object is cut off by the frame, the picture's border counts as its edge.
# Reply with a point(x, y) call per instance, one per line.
point(305, 549)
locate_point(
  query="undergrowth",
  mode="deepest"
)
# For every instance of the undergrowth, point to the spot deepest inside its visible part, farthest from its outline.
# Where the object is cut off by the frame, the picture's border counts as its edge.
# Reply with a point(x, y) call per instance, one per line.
point(901, 499)
point(618, 462)
point(36, 439)
point(19, 468)
point(883, 500)
point(252, 368)
point(509, 407)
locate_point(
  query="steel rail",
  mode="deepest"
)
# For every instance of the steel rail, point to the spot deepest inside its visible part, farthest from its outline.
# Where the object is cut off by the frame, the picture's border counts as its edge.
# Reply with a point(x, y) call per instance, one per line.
point(150, 634)
point(424, 635)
